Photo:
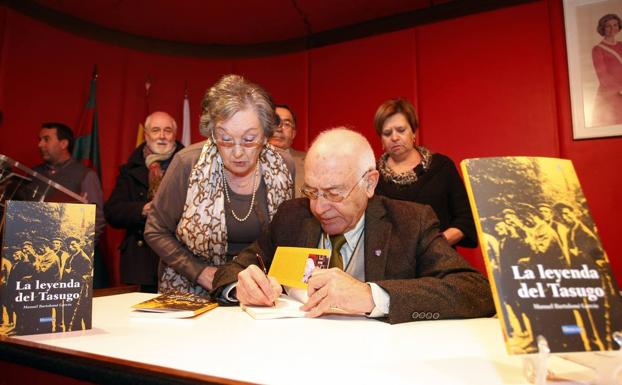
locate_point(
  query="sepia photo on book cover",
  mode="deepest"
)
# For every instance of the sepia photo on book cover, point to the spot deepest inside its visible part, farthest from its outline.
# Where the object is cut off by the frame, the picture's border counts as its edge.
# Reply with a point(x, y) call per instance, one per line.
point(549, 272)
point(47, 267)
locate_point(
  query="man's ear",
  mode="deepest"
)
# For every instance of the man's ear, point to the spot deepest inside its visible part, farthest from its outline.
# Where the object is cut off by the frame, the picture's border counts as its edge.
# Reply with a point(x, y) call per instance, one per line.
point(371, 180)
point(64, 143)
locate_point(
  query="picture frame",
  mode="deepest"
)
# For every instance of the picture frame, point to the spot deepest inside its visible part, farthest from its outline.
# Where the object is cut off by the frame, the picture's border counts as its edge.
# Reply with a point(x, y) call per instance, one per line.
point(594, 69)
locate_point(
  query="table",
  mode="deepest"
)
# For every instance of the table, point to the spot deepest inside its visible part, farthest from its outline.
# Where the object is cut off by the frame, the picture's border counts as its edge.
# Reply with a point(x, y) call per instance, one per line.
point(226, 345)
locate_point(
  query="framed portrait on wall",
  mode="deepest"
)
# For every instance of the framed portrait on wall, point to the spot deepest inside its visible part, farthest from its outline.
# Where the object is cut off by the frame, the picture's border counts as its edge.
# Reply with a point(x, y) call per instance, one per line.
point(594, 48)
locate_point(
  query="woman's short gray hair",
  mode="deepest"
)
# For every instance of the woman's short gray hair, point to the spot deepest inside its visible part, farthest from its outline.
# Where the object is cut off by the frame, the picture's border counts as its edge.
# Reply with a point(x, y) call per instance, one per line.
point(230, 95)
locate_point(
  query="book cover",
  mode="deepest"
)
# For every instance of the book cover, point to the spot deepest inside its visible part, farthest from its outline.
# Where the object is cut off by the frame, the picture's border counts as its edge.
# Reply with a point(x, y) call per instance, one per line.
point(173, 305)
point(549, 273)
point(293, 266)
point(47, 267)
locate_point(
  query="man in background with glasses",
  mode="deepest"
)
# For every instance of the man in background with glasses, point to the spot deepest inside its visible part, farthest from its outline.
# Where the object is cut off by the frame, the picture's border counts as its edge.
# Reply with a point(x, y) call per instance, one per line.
point(282, 138)
point(388, 259)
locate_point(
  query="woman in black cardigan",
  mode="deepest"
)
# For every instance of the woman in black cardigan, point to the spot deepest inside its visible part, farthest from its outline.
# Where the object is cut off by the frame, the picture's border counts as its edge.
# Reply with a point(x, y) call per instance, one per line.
point(411, 172)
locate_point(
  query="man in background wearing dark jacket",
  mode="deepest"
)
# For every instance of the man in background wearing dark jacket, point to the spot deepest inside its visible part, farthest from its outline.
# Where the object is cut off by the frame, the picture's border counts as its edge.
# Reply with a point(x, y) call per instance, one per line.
point(130, 202)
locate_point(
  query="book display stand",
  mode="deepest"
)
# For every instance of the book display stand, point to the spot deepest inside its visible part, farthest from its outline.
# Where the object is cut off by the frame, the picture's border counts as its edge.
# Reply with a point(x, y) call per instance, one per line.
point(535, 365)
point(607, 368)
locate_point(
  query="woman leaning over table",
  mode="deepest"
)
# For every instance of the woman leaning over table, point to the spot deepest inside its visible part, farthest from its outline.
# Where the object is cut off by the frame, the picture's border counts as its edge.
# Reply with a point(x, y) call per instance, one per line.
point(414, 173)
point(218, 194)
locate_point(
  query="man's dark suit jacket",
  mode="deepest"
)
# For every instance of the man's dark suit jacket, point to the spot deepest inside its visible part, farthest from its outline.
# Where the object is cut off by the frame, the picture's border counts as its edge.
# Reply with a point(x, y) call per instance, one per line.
point(405, 254)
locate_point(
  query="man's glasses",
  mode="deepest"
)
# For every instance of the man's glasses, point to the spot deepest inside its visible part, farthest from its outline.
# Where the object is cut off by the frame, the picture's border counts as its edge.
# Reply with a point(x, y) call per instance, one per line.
point(228, 142)
point(283, 123)
point(286, 124)
point(330, 196)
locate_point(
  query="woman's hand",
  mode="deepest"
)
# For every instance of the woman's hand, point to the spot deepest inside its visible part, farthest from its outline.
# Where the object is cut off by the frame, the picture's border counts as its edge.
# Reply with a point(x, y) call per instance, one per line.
point(206, 277)
point(453, 235)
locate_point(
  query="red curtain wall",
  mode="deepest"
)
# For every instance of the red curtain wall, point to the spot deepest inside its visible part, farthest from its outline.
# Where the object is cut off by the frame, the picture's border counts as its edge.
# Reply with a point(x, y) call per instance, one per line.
point(484, 86)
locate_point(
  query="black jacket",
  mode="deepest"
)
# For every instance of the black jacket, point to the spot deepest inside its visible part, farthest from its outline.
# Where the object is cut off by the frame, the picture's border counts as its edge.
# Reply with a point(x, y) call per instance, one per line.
point(123, 210)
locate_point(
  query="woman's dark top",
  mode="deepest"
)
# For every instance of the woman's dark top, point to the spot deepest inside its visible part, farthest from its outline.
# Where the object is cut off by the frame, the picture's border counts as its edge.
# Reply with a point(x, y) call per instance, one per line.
point(440, 186)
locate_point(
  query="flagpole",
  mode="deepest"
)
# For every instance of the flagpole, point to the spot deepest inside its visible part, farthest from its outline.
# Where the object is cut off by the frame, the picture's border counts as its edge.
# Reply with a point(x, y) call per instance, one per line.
point(186, 139)
point(140, 135)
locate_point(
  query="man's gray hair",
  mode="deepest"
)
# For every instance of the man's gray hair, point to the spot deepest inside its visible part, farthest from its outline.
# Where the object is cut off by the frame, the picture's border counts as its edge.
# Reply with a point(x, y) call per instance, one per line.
point(230, 95)
point(347, 142)
point(148, 120)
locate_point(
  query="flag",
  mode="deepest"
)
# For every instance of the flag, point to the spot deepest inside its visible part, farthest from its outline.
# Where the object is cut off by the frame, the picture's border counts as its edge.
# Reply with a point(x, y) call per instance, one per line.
point(86, 147)
point(185, 136)
point(140, 135)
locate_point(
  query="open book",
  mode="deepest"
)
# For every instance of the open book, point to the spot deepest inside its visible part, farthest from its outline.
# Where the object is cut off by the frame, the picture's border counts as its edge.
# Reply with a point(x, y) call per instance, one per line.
point(285, 307)
point(292, 267)
point(173, 305)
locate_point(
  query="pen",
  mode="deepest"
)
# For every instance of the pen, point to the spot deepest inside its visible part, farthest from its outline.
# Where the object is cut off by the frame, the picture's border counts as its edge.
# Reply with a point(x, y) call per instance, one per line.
point(261, 264)
point(263, 267)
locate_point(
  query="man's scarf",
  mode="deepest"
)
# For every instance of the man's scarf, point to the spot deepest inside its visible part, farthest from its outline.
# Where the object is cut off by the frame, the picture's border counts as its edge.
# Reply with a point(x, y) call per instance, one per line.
point(153, 162)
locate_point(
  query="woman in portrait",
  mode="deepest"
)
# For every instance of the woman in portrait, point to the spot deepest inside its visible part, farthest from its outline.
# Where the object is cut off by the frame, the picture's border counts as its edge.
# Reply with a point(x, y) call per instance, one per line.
point(607, 59)
point(414, 173)
point(218, 194)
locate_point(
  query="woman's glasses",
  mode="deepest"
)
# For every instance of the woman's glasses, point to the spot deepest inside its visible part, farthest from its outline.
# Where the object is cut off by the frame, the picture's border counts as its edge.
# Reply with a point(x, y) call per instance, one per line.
point(228, 142)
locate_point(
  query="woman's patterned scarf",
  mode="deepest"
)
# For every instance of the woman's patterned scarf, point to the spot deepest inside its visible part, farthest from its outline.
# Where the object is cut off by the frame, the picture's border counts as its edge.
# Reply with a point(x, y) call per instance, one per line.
point(203, 227)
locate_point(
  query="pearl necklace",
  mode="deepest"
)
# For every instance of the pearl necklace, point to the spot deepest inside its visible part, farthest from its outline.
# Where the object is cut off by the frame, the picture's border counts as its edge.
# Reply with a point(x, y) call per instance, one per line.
point(250, 209)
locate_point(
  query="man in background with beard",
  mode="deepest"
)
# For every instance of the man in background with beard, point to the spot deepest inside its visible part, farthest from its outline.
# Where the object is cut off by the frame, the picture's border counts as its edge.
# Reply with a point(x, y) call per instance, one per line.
point(130, 202)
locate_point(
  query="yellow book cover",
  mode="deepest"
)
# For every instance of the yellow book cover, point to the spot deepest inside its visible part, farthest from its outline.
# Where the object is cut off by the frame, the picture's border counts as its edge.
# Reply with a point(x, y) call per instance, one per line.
point(292, 266)
point(549, 273)
point(173, 305)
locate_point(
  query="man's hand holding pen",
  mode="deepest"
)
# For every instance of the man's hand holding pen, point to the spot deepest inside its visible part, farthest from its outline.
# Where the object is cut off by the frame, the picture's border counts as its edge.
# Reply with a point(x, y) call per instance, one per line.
point(255, 287)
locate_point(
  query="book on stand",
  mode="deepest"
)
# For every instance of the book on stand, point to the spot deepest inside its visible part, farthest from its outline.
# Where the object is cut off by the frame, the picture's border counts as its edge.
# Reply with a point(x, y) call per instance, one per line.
point(549, 273)
point(47, 267)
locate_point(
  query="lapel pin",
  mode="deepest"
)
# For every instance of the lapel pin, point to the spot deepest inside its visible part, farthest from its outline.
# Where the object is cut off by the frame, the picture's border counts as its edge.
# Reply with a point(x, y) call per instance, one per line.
point(377, 252)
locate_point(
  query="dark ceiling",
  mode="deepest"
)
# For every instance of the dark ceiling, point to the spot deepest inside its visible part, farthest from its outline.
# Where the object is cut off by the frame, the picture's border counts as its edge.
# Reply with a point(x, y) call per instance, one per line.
point(242, 27)
point(229, 22)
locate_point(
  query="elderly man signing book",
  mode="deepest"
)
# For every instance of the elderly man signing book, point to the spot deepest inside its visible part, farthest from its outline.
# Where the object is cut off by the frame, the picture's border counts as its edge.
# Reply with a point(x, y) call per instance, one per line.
point(388, 258)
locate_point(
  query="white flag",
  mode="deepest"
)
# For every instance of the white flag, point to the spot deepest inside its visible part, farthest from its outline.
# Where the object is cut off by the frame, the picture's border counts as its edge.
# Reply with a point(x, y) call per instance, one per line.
point(185, 135)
